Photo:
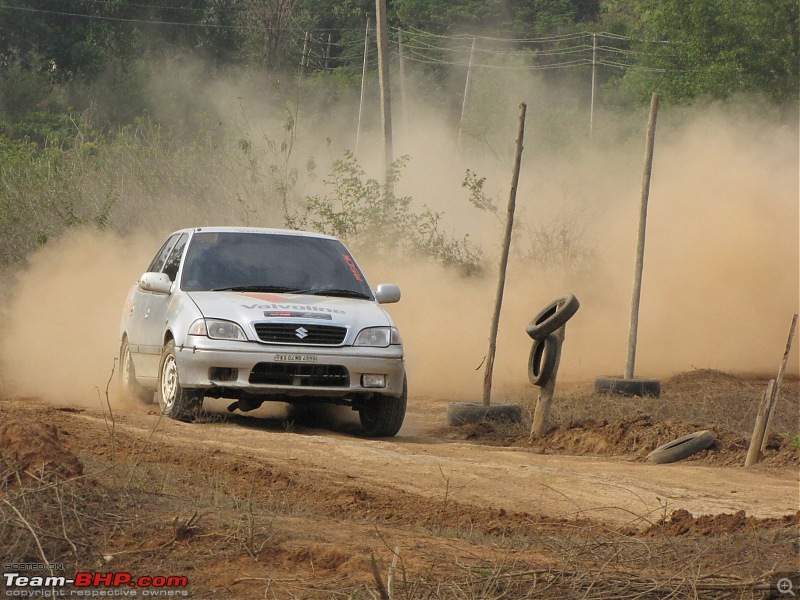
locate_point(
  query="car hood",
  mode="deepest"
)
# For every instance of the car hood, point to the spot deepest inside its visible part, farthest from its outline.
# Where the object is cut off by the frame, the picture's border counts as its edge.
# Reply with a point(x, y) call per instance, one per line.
point(251, 307)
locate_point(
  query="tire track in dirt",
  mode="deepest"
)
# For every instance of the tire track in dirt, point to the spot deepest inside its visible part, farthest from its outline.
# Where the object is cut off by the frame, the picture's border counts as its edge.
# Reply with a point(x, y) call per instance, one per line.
point(512, 479)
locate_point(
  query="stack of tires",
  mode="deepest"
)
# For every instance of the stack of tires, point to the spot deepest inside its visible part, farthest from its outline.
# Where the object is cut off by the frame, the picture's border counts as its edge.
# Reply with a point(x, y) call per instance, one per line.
point(542, 364)
point(543, 359)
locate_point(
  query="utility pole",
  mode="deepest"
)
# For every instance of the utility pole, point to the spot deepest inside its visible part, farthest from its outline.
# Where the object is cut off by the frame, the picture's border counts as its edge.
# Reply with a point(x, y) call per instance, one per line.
point(304, 56)
point(327, 55)
point(466, 94)
point(403, 98)
point(594, 74)
point(383, 77)
point(363, 85)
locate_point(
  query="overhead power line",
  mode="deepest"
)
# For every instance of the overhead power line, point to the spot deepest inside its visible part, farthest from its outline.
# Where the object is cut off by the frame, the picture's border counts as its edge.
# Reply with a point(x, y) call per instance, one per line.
point(122, 19)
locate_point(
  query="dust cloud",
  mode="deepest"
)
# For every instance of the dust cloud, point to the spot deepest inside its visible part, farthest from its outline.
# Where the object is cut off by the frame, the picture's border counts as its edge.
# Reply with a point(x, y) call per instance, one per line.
point(62, 321)
point(721, 266)
point(721, 274)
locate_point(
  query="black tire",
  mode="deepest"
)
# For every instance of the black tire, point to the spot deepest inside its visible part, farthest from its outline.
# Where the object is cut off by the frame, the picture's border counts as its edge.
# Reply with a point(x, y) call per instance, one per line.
point(128, 386)
point(619, 386)
point(383, 416)
point(542, 359)
point(681, 448)
point(175, 401)
point(553, 316)
point(463, 413)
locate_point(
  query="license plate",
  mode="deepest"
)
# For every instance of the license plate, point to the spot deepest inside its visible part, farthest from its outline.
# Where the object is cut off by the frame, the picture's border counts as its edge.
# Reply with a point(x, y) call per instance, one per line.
point(295, 358)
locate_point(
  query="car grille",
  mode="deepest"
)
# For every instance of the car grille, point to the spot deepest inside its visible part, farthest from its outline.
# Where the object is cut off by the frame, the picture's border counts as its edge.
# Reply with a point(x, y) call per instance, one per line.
point(294, 333)
point(303, 375)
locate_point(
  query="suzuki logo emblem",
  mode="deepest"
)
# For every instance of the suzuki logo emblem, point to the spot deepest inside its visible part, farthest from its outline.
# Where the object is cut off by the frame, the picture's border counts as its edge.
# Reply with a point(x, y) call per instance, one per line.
point(301, 332)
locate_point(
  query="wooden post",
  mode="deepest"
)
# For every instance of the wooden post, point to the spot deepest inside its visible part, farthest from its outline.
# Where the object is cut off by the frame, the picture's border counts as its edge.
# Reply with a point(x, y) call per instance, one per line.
point(754, 452)
point(363, 86)
point(501, 280)
point(637, 279)
point(383, 77)
point(466, 95)
point(778, 382)
point(542, 412)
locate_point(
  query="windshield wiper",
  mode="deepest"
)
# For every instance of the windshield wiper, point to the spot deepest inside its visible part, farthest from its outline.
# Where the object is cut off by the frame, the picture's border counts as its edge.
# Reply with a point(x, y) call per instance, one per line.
point(343, 293)
point(260, 288)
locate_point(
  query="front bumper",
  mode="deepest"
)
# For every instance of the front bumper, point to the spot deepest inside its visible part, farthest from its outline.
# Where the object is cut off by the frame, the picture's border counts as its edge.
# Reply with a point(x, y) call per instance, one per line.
point(201, 360)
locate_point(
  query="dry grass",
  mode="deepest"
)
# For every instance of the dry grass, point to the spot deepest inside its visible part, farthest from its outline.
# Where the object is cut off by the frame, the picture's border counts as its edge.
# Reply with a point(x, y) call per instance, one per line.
point(240, 528)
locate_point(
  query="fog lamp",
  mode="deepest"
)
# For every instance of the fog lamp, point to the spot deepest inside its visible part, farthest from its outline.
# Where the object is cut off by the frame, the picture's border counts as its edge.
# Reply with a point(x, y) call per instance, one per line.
point(373, 381)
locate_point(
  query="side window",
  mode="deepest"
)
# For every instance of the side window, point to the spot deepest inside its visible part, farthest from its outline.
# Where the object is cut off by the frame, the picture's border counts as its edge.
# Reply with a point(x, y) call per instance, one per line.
point(174, 260)
point(161, 257)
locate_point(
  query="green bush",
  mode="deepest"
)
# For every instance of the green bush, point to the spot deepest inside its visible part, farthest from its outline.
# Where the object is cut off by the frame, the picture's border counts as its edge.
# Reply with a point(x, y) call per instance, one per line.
point(372, 219)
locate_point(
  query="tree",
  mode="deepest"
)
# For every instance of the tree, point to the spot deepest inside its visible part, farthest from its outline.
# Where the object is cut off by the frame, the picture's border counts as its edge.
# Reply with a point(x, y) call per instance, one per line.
point(719, 48)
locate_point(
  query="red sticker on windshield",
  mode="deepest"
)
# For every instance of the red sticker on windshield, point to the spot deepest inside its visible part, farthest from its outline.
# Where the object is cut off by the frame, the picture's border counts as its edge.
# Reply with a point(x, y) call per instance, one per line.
point(353, 268)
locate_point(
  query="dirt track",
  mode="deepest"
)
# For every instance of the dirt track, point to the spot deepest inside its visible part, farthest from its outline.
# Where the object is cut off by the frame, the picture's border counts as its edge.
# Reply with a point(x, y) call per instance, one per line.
point(266, 507)
point(513, 479)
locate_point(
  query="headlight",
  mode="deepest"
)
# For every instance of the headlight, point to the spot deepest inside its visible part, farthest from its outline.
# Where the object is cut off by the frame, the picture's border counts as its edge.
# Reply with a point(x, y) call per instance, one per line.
point(217, 329)
point(378, 337)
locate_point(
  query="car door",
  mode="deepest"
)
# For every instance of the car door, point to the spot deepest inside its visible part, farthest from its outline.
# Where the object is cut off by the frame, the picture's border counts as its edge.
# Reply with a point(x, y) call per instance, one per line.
point(136, 304)
point(155, 318)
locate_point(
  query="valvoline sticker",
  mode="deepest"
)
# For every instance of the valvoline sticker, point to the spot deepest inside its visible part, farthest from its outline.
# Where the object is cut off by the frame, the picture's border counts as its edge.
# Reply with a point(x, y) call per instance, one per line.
point(282, 304)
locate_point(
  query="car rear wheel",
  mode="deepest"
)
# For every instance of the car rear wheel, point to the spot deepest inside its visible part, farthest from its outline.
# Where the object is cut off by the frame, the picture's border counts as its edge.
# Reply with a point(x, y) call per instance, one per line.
point(176, 401)
point(129, 387)
point(383, 415)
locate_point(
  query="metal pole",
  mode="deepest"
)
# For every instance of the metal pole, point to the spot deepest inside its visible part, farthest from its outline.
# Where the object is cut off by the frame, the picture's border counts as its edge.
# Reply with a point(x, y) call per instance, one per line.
point(637, 278)
point(501, 280)
point(466, 94)
point(403, 98)
point(363, 85)
point(594, 79)
point(382, 29)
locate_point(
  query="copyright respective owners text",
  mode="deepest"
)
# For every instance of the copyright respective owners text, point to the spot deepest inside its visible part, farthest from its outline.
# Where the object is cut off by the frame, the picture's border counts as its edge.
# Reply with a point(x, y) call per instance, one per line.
point(38, 580)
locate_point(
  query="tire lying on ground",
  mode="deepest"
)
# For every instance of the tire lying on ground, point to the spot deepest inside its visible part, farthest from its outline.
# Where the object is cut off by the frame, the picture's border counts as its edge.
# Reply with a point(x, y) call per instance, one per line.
point(638, 386)
point(542, 359)
point(553, 316)
point(681, 448)
point(462, 413)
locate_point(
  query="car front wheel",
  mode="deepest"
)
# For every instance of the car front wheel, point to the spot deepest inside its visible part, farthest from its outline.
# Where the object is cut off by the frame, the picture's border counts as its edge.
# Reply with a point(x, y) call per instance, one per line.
point(383, 415)
point(176, 402)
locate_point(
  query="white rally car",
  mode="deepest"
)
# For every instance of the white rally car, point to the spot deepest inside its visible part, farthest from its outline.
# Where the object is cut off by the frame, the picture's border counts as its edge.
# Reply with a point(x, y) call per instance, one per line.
point(262, 314)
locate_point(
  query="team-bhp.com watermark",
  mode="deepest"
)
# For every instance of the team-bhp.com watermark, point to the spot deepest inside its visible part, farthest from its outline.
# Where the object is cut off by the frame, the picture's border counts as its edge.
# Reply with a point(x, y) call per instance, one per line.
point(20, 582)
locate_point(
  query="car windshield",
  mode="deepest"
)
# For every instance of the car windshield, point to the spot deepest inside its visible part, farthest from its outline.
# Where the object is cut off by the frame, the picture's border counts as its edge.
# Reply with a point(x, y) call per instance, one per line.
point(268, 262)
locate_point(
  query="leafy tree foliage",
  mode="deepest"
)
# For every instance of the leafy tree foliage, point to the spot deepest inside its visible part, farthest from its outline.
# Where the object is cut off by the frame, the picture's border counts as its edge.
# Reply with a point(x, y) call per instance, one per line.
point(520, 17)
point(718, 48)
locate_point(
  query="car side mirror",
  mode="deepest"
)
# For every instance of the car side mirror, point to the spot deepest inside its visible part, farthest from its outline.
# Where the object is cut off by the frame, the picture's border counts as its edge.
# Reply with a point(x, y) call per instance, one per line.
point(387, 293)
point(157, 283)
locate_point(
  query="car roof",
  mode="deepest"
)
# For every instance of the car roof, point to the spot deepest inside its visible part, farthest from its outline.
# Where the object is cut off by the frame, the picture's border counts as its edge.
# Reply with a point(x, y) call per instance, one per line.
point(263, 230)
